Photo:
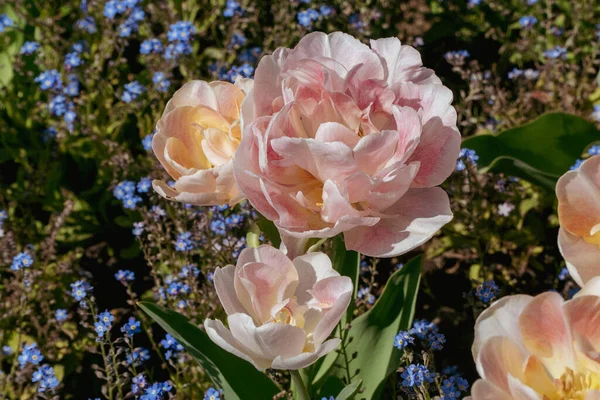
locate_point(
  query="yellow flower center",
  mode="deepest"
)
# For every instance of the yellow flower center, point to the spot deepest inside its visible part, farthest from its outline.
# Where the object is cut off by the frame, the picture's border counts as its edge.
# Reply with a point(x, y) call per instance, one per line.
point(284, 316)
point(575, 385)
point(593, 239)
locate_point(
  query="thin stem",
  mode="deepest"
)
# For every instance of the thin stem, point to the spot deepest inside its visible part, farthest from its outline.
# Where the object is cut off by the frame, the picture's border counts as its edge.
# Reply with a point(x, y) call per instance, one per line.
point(301, 390)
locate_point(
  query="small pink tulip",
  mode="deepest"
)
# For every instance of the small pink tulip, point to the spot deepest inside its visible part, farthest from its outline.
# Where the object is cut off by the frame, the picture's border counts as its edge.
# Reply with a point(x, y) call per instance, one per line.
point(196, 139)
point(280, 312)
point(342, 137)
point(539, 347)
point(578, 195)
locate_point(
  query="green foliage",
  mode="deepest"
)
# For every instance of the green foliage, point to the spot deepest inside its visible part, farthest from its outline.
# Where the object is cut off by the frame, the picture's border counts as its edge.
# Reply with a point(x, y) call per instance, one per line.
point(238, 378)
point(540, 151)
point(371, 336)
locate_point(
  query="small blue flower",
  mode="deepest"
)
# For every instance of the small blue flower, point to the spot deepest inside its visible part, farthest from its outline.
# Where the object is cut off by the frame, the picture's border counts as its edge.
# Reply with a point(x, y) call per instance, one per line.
point(21, 260)
point(306, 18)
point(30, 354)
point(138, 356)
point(5, 22)
point(412, 376)
point(527, 21)
point(151, 46)
point(213, 394)
point(138, 384)
point(577, 164)
point(72, 60)
point(515, 73)
point(238, 40)
point(403, 339)
point(181, 31)
point(326, 10)
point(131, 91)
point(184, 242)
point(60, 314)
point(160, 81)
point(487, 291)
point(556, 52)
point(130, 202)
point(144, 185)
point(100, 329)
point(158, 212)
point(45, 378)
point(365, 293)
point(131, 327)
point(7, 350)
point(29, 48)
point(436, 341)
point(87, 24)
point(421, 328)
point(110, 9)
point(125, 275)
point(457, 57)
point(232, 8)
point(79, 290)
point(466, 156)
point(124, 189)
point(563, 274)
point(147, 142)
point(138, 229)
point(106, 318)
point(50, 79)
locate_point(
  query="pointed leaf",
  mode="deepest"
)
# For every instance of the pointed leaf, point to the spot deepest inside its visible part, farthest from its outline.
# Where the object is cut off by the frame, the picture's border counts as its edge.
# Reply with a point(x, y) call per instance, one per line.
point(540, 151)
point(238, 378)
point(349, 391)
point(371, 336)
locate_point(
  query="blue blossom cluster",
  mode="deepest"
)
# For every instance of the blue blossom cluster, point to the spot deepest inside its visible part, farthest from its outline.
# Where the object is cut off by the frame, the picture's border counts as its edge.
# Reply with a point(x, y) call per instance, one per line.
point(132, 91)
point(529, 74)
point(20, 261)
point(29, 48)
point(171, 346)
point(452, 387)
point(126, 192)
point(487, 291)
point(5, 22)
point(232, 8)
point(527, 21)
point(138, 356)
point(135, 14)
point(179, 36)
point(213, 394)
point(457, 58)
point(73, 59)
point(436, 341)
point(422, 328)
point(416, 375)
point(87, 23)
point(176, 287)
point(147, 142)
point(45, 378)
point(151, 46)
point(125, 275)
point(156, 391)
point(184, 242)
point(79, 290)
point(131, 327)
point(403, 339)
point(138, 229)
point(244, 70)
point(51, 80)
point(556, 52)
point(103, 323)
point(365, 294)
point(307, 17)
point(466, 157)
point(30, 355)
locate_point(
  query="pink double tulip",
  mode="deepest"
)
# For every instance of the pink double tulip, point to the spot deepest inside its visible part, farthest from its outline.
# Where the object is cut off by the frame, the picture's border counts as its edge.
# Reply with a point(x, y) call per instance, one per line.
point(539, 348)
point(578, 195)
point(280, 312)
point(343, 137)
point(197, 137)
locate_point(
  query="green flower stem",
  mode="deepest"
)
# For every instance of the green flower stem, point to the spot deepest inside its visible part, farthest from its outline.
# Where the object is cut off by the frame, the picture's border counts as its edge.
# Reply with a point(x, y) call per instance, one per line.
point(299, 385)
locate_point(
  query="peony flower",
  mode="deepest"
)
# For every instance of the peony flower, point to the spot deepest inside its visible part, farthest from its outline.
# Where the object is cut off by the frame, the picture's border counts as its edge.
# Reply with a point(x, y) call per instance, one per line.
point(539, 347)
point(578, 195)
point(279, 311)
point(340, 137)
point(196, 139)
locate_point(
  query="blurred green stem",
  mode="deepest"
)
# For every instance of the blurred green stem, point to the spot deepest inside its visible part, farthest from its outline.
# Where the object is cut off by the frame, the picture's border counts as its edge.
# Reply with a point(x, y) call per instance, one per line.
point(299, 385)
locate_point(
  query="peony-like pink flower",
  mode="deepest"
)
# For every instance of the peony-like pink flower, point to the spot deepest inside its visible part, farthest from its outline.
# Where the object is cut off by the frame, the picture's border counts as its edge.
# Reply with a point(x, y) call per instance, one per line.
point(280, 312)
point(340, 137)
point(539, 348)
point(196, 139)
point(578, 195)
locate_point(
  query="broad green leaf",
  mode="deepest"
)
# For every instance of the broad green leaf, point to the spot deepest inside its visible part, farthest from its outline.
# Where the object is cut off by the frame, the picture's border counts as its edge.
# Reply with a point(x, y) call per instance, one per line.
point(539, 152)
point(238, 378)
point(347, 263)
point(371, 336)
point(349, 391)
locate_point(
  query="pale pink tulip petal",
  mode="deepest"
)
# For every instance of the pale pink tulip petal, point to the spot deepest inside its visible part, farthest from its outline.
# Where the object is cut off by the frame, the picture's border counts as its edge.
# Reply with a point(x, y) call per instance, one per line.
point(339, 47)
point(228, 98)
point(583, 314)
point(546, 334)
point(305, 359)
point(269, 340)
point(403, 62)
point(219, 334)
point(199, 199)
point(264, 284)
point(578, 195)
point(327, 291)
point(500, 357)
point(592, 288)
point(266, 79)
point(330, 318)
point(520, 391)
point(373, 151)
point(500, 319)
point(417, 216)
point(432, 101)
point(224, 285)
point(485, 390)
point(582, 258)
point(312, 268)
point(193, 93)
point(335, 205)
